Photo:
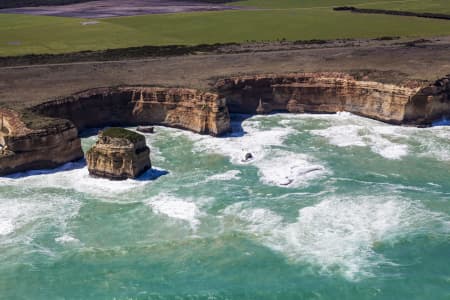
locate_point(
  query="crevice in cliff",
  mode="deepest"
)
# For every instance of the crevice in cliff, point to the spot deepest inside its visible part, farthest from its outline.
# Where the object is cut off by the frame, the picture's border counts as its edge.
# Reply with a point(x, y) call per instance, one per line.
point(408, 104)
point(47, 134)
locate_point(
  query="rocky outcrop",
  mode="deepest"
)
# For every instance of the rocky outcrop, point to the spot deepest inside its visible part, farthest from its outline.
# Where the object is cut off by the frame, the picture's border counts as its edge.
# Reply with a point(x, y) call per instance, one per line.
point(409, 103)
point(118, 154)
point(189, 109)
point(26, 149)
point(146, 129)
point(41, 146)
point(431, 103)
point(34, 144)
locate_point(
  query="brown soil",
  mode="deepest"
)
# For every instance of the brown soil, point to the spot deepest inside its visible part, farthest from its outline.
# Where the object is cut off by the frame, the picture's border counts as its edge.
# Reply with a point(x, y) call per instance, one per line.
point(115, 8)
point(384, 61)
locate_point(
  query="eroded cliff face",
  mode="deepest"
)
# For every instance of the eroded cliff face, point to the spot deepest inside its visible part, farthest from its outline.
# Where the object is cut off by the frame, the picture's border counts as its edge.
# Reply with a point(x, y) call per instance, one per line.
point(430, 104)
point(26, 148)
point(55, 143)
point(118, 158)
point(333, 92)
point(189, 109)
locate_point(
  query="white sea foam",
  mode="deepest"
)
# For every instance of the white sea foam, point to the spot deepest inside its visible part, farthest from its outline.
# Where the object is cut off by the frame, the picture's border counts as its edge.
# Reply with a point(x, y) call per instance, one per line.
point(338, 234)
point(16, 213)
point(6, 226)
point(76, 176)
point(252, 139)
point(276, 167)
point(228, 175)
point(386, 148)
point(288, 169)
point(342, 135)
point(341, 233)
point(374, 137)
point(433, 142)
point(174, 207)
point(286, 117)
point(35, 211)
point(66, 239)
point(389, 141)
point(428, 142)
point(259, 221)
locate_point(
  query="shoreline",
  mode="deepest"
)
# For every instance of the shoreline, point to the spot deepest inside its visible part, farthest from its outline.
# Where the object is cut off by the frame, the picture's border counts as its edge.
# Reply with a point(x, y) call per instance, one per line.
point(197, 92)
point(47, 134)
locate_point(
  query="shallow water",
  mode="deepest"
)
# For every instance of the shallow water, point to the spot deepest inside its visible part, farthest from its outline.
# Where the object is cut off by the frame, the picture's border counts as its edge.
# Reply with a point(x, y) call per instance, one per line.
point(331, 207)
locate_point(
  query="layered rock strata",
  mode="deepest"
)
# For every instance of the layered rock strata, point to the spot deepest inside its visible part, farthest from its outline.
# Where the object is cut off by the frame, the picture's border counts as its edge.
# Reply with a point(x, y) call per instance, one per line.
point(429, 104)
point(56, 142)
point(30, 143)
point(410, 103)
point(190, 109)
point(26, 149)
point(118, 154)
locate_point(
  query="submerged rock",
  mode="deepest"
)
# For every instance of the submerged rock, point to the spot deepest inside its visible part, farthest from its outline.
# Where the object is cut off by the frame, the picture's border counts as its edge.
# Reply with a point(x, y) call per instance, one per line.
point(248, 156)
point(118, 154)
point(144, 129)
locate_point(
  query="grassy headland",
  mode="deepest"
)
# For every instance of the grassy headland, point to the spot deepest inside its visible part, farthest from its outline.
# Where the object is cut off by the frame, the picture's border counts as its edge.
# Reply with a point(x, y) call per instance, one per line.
point(284, 19)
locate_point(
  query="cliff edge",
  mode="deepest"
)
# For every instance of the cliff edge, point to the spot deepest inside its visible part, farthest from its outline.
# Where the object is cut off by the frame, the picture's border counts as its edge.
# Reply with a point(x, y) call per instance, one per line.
point(409, 103)
point(46, 135)
point(27, 148)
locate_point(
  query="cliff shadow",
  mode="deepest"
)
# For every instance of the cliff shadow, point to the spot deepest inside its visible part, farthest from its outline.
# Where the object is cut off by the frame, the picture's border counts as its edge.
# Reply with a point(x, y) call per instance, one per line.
point(149, 175)
point(444, 121)
point(236, 121)
point(152, 174)
point(85, 133)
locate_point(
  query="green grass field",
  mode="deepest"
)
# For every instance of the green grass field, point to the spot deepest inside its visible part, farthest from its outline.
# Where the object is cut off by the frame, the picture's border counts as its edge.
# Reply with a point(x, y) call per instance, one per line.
point(21, 34)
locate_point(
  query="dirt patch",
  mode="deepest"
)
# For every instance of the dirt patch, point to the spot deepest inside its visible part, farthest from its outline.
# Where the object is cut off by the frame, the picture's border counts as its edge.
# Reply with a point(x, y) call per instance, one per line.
point(89, 23)
point(122, 54)
point(384, 61)
point(118, 8)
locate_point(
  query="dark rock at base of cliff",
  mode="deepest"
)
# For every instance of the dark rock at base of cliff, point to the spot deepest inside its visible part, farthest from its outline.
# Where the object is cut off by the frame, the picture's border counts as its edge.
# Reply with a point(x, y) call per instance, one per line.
point(144, 129)
point(248, 156)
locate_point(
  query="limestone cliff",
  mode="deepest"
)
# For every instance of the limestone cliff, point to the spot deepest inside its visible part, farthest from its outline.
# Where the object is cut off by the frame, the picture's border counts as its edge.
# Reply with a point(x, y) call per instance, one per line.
point(55, 141)
point(431, 103)
point(25, 148)
point(118, 154)
point(409, 103)
point(190, 109)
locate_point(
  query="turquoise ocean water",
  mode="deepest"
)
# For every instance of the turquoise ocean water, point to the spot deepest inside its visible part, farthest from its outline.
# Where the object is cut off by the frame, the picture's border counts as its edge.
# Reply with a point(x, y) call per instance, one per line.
point(331, 207)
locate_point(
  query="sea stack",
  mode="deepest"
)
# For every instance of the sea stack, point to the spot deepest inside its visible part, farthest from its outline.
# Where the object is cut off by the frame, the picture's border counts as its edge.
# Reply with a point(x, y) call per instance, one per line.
point(119, 154)
point(260, 108)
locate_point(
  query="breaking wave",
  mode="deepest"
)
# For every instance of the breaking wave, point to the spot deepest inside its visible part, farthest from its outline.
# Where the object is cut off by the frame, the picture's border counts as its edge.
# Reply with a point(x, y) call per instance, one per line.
point(35, 211)
point(338, 234)
point(276, 166)
point(389, 141)
point(76, 176)
point(186, 210)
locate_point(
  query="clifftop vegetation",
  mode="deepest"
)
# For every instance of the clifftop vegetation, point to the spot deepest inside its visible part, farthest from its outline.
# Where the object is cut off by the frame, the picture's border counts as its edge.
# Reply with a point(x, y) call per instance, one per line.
point(121, 133)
